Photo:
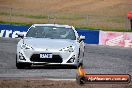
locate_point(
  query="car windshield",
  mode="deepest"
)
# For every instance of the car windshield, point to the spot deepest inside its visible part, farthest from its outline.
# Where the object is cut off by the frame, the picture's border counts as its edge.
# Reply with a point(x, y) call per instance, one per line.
point(51, 32)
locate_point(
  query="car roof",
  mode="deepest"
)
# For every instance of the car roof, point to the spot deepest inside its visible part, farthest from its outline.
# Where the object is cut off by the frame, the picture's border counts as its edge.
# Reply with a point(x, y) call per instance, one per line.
point(56, 25)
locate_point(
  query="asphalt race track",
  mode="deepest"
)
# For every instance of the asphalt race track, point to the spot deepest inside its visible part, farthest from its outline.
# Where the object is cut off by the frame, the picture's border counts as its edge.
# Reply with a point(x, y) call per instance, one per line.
point(98, 60)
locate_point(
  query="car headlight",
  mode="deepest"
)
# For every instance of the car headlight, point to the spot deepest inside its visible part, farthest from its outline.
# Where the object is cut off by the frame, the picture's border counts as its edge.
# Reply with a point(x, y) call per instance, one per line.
point(25, 46)
point(69, 49)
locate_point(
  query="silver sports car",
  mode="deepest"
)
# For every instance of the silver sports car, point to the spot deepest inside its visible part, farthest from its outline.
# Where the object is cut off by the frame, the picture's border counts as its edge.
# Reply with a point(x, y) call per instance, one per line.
point(50, 44)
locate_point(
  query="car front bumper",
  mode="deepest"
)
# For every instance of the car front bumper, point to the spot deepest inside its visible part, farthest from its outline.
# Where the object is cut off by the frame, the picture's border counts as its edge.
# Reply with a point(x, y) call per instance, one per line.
point(66, 58)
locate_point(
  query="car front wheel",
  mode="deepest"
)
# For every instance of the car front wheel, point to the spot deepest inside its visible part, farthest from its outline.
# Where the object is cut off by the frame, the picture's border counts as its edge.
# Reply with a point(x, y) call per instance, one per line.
point(22, 65)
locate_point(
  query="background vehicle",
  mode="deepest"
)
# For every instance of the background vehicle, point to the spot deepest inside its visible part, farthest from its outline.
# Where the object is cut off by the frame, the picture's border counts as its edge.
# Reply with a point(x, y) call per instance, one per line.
point(50, 44)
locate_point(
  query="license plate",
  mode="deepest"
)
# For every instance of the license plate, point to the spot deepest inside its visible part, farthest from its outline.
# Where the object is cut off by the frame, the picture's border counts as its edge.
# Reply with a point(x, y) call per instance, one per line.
point(46, 55)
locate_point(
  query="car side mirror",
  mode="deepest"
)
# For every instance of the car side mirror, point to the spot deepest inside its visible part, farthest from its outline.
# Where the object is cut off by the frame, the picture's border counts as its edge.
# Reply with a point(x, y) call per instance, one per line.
point(81, 38)
point(20, 35)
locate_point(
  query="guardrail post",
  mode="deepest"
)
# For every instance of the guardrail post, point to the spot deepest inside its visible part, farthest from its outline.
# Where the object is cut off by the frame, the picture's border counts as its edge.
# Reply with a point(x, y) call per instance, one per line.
point(10, 14)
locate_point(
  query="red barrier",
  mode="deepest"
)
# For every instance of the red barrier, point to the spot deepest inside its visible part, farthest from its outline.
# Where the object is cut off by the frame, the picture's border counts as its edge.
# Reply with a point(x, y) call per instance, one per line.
point(130, 15)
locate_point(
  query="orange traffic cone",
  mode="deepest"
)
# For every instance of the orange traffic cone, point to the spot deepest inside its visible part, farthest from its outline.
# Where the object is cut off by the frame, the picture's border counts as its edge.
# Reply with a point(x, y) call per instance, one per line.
point(80, 77)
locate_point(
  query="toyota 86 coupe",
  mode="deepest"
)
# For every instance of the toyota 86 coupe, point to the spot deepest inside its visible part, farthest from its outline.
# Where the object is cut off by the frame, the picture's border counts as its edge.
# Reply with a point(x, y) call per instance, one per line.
point(50, 44)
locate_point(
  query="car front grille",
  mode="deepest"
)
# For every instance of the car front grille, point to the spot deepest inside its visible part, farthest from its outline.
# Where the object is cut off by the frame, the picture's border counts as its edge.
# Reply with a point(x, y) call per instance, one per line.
point(54, 59)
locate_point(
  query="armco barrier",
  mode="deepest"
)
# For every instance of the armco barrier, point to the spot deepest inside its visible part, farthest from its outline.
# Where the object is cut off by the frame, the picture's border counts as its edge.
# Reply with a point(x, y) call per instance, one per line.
point(123, 39)
point(6, 30)
point(92, 36)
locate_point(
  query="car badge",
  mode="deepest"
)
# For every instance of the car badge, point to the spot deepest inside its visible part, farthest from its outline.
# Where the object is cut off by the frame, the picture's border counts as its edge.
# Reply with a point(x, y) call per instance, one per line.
point(46, 49)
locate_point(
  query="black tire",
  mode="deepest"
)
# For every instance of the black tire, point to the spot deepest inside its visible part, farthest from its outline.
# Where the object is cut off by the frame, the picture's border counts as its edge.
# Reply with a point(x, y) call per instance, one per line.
point(80, 64)
point(80, 80)
point(22, 65)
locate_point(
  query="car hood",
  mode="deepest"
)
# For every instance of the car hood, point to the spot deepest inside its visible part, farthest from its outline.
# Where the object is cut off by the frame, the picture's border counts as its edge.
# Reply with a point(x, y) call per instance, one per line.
point(49, 43)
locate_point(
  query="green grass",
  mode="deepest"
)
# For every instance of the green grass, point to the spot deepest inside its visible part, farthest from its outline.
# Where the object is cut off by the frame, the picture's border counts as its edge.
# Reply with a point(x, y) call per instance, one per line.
point(64, 18)
point(116, 20)
point(16, 23)
point(104, 29)
point(4, 13)
point(36, 17)
point(22, 15)
point(90, 28)
point(71, 17)
point(108, 29)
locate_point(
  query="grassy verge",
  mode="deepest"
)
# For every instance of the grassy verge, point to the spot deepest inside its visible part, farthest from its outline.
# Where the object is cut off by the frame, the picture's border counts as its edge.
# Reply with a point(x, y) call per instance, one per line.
point(16, 23)
point(79, 21)
point(71, 17)
point(78, 27)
